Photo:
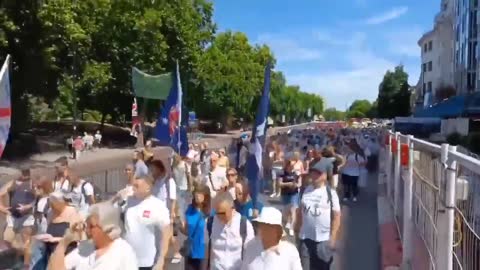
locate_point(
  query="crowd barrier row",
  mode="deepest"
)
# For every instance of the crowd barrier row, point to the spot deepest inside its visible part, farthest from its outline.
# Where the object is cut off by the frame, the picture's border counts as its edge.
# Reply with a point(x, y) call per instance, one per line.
point(434, 192)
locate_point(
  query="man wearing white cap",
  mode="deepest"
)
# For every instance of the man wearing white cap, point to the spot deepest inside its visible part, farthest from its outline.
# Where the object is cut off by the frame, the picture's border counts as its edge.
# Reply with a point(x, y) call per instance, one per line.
point(318, 221)
point(268, 250)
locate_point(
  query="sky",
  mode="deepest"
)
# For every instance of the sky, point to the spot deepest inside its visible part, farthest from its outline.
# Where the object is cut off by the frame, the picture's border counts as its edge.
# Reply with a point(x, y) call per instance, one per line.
point(339, 49)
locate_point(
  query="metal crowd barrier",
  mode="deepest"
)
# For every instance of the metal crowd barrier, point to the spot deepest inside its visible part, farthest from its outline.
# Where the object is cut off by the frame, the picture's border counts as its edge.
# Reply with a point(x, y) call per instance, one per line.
point(435, 195)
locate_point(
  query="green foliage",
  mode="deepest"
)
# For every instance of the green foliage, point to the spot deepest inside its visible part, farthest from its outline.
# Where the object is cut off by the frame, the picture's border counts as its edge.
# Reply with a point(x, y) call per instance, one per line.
point(68, 53)
point(394, 95)
point(332, 114)
point(456, 139)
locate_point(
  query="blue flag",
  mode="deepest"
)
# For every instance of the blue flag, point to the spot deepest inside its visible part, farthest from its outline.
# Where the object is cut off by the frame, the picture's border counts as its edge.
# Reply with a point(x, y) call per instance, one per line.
point(254, 166)
point(170, 129)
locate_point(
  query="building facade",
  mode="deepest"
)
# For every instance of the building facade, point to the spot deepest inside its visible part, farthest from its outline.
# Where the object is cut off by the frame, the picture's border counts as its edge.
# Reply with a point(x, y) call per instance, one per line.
point(466, 49)
point(437, 56)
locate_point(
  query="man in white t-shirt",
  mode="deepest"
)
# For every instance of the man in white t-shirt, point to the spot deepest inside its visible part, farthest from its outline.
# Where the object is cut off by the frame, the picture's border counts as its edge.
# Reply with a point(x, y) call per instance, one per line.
point(145, 215)
point(216, 179)
point(105, 251)
point(229, 234)
point(318, 221)
point(81, 194)
point(268, 250)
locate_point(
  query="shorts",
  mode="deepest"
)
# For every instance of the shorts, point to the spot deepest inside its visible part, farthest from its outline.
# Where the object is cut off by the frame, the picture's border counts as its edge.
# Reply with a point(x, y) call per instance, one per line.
point(18, 223)
point(276, 172)
point(290, 199)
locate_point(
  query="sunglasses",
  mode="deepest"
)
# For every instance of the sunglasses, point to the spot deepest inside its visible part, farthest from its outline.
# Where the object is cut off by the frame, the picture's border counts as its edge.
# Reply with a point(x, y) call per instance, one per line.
point(231, 174)
point(221, 213)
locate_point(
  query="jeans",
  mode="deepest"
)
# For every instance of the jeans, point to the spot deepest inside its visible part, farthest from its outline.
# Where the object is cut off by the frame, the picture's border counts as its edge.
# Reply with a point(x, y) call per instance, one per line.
point(195, 264)
point(350, 185)
point(315, 255)
point(39, 256)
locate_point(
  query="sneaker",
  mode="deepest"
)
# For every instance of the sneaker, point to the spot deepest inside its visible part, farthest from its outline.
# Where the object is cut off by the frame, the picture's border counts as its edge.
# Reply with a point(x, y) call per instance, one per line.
point(176, 259)
point(354, 199)
point(278, 195)
point(291, 232)
point(288, 226)
point(273, 195)
point(345, 199)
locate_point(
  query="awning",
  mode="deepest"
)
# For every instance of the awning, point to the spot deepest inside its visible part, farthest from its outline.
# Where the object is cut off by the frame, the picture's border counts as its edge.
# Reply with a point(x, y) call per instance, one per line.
point(452, 107)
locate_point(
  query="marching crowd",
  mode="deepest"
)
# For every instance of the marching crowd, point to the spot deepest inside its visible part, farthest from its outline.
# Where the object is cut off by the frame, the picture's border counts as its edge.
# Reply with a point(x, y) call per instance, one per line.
point(198, 207)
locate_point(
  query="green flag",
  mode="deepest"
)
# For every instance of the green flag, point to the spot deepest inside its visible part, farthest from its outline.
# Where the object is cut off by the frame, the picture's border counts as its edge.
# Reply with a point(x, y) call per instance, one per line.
point(151, 86)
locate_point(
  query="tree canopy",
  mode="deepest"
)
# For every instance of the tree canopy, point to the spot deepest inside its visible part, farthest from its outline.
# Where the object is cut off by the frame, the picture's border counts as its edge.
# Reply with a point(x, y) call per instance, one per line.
point(69, 54)
point(394, 94)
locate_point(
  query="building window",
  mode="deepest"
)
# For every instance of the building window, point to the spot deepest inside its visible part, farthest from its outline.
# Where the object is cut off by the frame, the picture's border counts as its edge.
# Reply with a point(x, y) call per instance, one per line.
point(424, 67)
point(429, 88)
point(430, 45)
point(430, 66)
point(424, 88)
point(425, 47)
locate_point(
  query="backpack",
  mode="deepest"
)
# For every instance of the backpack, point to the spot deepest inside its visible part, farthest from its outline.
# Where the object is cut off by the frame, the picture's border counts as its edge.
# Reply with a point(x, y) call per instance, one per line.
point(97, 194)
point(243, 234)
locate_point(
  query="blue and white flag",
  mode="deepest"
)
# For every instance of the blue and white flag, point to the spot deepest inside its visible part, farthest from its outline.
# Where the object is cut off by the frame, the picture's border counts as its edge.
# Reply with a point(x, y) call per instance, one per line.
point(254, 166)
point(170, 129)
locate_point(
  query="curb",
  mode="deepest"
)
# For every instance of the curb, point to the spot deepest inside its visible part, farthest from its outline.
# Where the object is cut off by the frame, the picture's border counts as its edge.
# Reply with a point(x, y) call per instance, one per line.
point(389, 240)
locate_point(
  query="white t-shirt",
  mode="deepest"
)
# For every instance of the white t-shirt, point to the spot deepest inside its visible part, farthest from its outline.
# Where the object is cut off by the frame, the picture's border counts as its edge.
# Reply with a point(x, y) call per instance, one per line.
point(316, 214)
point(160, 191)
point(143, 218)
point(120, 256)
point(62, 185)
point(227, 243)
point(180, 175)
point(217, 178)
point(98, 137)
point(352, 165)
point(282, 257)
point(78, 198)
point(41, 207)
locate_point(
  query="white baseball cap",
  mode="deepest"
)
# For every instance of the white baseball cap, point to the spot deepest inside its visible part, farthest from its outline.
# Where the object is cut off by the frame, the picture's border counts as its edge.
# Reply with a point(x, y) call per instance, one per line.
point(270, 215)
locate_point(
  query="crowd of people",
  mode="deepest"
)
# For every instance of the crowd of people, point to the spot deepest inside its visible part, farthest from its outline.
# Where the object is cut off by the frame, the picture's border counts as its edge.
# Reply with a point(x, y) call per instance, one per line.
point(198, 208)
point(77, 145)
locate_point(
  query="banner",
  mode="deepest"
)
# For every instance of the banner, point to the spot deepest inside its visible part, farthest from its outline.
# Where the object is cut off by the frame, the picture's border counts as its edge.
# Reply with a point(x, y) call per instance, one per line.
point(5, 107)
point(151, 86)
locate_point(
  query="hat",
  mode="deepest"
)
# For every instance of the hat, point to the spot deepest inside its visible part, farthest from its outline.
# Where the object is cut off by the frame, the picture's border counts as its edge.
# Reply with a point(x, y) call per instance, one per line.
point(270, 215)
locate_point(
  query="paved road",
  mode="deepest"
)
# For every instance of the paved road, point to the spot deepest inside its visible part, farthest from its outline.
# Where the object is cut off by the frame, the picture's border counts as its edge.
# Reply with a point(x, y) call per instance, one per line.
point(358, 248)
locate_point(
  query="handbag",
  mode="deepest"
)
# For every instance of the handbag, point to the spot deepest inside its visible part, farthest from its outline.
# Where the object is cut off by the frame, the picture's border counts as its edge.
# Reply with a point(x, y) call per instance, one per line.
point(186, 248)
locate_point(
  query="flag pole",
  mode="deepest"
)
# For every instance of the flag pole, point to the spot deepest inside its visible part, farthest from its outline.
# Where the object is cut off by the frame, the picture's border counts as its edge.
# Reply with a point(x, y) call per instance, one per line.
point(179, 100)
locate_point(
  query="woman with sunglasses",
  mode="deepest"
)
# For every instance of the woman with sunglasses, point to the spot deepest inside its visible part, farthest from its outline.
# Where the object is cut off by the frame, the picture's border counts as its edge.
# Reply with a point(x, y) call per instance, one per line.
point(195, 247)
point(106, 250)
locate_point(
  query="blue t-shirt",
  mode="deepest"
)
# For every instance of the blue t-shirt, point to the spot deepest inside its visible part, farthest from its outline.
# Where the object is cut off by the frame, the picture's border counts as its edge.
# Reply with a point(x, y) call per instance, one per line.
point(196, 225)
point(246, 209)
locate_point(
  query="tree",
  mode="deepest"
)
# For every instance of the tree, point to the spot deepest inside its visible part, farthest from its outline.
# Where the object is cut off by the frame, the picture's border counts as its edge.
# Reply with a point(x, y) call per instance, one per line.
point(332, 114)
point(361, 107)
point(390, 101)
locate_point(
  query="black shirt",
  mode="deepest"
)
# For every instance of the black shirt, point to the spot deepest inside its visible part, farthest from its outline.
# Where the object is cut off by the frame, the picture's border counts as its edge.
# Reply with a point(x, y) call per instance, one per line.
point(289, 177)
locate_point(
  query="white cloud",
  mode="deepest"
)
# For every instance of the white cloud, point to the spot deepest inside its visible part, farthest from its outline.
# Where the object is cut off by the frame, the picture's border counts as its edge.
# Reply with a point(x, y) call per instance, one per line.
point(288, 49)
point(341, 87)
point(387, 16)
point(404, 41)
point(328, 38)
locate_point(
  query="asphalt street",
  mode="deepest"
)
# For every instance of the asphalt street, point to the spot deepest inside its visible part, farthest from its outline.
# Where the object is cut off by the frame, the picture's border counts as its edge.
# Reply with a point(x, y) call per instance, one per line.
point(358, 246)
